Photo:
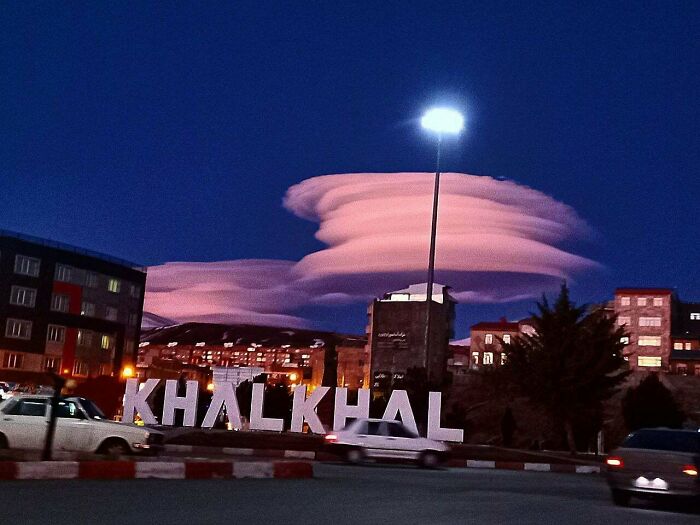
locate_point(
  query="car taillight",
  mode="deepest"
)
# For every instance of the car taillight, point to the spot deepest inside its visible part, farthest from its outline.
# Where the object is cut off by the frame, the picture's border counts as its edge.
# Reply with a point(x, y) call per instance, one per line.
point(691, 470)
point(615, 462)
point(331, 438)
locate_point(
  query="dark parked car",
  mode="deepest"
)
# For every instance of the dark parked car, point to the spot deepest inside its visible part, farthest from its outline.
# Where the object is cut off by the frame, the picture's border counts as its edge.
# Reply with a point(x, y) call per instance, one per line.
point(655, 463)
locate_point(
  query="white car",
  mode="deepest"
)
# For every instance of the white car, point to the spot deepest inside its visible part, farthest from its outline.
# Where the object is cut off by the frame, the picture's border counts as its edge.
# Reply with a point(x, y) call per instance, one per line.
point(381, 439)
point(80, 427)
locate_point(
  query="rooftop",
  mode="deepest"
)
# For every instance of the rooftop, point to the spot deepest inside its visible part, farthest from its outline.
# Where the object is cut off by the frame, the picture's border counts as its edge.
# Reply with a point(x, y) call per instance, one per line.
point(417, 292)
point(72, 249)
point(664, 291)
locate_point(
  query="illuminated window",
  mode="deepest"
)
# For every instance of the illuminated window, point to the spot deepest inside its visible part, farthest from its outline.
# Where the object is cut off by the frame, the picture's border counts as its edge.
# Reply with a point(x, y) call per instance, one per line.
point(52, 364)
point(624, 301)
point(475, 358)
point(60, 302)
point(648, 361)
point(21, 296)
point(649, 340)
point(18, 329)
point(55, 334)
point(488, 339)
point(114, 285)
point(503, 358)
point(658, 301)
point(106, 342)
point(641, 301)
point(650, 321)
point(695, 316)
point(623, 321)
point(84, 337)
point(506, 339)
point(80, 368)
point(87, 309)
point(625, 340)
point(686, 346)
point(63, 273)
point(488, 358)
point(678, 346)
point(12, 360)
point(27, 265)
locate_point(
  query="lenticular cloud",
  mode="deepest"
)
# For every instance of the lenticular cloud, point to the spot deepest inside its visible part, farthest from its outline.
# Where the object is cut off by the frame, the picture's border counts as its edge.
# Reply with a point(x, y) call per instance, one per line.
point(496, 242)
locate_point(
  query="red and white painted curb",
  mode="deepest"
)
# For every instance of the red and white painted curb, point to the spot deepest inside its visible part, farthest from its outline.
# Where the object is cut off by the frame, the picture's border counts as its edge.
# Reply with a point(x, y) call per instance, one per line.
point(234, 451)
point(323, 456)
point(534, 467)
point(13, 470)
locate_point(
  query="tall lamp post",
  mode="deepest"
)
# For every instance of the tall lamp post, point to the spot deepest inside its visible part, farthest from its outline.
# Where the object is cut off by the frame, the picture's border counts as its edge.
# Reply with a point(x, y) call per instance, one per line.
point(441, 121)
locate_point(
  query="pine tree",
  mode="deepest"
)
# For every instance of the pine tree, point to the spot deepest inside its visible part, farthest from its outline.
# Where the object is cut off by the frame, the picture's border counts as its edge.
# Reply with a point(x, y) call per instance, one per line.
point(651, 404)
point(570, 364)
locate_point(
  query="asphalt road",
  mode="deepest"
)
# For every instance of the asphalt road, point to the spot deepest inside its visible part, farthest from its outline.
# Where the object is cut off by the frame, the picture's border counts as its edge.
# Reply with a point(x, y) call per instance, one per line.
point(339, 494)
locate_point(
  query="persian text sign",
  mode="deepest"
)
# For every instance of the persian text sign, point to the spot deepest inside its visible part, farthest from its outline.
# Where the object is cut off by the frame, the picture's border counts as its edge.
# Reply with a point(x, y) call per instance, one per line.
point(303, 408)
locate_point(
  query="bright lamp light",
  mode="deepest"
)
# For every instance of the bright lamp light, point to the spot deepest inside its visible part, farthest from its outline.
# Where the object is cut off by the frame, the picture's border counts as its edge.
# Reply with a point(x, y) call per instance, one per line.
point(443, 120)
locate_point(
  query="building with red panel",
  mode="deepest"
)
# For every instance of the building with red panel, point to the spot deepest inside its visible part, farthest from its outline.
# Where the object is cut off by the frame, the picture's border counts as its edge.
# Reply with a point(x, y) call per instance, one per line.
point(65, 310)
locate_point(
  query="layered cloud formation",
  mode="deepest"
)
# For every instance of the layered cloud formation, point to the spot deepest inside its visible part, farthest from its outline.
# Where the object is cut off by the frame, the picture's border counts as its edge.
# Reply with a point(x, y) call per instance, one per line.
point(496, 242)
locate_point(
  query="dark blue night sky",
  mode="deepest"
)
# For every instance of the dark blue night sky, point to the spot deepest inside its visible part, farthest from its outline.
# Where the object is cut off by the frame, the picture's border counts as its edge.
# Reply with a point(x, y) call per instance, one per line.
point(160, 133)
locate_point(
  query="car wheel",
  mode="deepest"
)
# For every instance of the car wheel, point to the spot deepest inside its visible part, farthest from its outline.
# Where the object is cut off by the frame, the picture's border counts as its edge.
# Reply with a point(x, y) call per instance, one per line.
point(621, 497)
point(429, 459)
point(3, 441)
point(114, 447)
point(355, 456)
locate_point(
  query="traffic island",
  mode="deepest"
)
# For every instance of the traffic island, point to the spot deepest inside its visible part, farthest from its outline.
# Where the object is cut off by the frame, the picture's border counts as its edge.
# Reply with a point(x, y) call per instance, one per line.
point(28, 470)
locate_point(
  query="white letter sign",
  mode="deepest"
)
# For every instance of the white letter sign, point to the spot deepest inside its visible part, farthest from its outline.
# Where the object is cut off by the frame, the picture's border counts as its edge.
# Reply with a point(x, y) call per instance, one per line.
point(135, 401)
point(400, 404)
point(305, 409)
point(257, 421)
point(188, 403)
point(224, 395)
point(343, 411)
point(435, 431)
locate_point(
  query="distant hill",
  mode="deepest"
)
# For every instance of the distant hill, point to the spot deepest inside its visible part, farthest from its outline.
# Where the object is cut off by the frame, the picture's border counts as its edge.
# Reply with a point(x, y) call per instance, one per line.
point(242, 334)
point(149, 321)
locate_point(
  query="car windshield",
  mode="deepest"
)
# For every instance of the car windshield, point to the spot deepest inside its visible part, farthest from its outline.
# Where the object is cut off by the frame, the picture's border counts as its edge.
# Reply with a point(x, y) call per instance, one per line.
point(664, 440)
point(93, 411)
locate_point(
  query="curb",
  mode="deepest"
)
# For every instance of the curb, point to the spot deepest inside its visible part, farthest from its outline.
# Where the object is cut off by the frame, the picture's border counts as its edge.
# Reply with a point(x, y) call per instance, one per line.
point(562, 468)
point(254, 452)
point(323, 456)
point(20, 470)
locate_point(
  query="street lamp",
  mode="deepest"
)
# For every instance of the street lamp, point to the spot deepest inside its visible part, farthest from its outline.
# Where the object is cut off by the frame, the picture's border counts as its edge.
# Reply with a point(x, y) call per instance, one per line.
point(441, 121)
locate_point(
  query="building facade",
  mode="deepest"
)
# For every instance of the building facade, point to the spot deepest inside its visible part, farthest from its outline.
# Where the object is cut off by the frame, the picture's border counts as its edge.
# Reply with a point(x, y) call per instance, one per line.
point(646, 315)
point(396, 334)
point(685, 340)
point(292, 356)
point(486, 347)
point(65, 310)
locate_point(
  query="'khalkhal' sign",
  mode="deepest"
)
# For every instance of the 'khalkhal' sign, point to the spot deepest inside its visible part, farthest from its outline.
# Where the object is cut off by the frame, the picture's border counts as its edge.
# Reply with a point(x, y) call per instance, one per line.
point(303, 408)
